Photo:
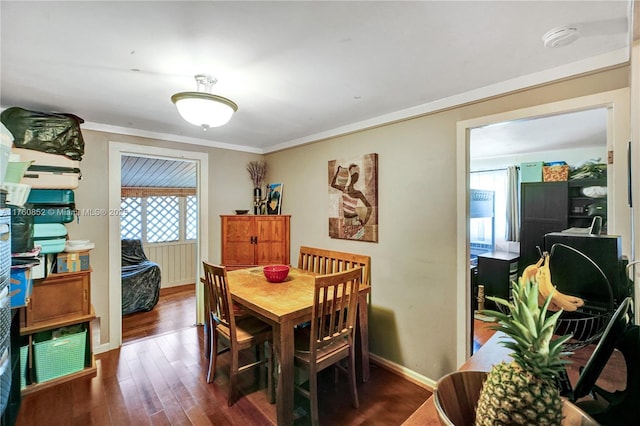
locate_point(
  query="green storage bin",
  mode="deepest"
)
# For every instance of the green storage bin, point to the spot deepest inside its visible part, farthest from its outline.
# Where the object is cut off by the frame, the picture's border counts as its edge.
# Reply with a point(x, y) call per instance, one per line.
point(24, 353)
point(531, 172)
point(55, 358)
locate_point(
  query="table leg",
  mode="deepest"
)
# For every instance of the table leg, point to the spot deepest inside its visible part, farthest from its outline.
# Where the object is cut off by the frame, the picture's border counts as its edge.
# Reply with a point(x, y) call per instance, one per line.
point(284, 347)
point(363, 319)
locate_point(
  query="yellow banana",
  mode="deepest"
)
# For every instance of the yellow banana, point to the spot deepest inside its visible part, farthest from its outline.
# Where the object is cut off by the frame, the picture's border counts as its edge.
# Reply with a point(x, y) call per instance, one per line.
point(531, 270)
point(559, 300)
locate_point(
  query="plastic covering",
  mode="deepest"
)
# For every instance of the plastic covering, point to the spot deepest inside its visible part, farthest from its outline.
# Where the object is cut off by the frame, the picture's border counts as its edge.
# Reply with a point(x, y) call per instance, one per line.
point(55, 133)
point(21, 229)
point(140, 279)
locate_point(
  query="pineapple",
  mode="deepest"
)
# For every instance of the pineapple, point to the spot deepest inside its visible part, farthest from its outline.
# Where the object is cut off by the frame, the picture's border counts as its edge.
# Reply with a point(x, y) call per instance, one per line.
point(524, 392)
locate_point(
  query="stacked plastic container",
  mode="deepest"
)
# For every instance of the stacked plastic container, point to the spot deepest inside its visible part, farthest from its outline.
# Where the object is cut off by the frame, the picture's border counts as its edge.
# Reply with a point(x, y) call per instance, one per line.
point(5, 307)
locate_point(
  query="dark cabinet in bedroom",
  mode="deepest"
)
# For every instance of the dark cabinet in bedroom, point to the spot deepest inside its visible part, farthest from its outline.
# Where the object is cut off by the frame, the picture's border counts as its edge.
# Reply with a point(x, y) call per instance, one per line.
point(544, 208)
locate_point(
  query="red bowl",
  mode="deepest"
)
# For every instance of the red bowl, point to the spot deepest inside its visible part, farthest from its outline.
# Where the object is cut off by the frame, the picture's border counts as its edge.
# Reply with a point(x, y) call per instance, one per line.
point(276, 273)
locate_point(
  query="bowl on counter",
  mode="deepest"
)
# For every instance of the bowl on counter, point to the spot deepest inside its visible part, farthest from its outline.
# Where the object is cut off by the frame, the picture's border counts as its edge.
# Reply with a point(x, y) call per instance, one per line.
point(241, 211)
point(276, 273)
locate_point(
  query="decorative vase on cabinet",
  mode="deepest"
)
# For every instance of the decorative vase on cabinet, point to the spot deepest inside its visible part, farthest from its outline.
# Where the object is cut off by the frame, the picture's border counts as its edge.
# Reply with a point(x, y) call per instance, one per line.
point(255, 240)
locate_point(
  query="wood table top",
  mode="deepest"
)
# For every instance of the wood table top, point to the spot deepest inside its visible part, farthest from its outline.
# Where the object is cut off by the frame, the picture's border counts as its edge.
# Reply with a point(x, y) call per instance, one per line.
point(275, 301)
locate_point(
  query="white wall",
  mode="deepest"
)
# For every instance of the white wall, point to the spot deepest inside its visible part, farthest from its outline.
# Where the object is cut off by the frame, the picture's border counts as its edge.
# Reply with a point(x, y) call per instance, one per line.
point(177, 262)
point(413, 318)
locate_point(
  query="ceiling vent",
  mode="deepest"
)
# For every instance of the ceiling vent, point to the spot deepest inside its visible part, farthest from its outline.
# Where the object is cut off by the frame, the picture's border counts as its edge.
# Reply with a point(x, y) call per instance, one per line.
point(560, 36)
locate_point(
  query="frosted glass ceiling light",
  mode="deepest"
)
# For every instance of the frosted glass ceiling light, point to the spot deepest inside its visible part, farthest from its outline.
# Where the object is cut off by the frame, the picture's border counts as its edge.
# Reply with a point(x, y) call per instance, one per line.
point(202, 108)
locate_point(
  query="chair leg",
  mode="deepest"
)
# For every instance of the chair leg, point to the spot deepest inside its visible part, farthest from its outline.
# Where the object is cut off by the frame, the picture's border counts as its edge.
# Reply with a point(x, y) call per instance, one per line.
point(313, 397)
point(352, 378)
point(233, 377)
point(213, 353)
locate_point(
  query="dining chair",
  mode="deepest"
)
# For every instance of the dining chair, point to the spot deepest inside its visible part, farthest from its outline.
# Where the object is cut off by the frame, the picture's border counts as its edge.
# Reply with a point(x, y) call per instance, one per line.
point(329, 339)
point(324, 261)
point(237, 333)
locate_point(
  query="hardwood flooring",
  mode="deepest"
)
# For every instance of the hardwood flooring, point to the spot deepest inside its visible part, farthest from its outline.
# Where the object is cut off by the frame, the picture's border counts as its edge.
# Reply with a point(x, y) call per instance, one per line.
point(159, 378)
point(175, 310)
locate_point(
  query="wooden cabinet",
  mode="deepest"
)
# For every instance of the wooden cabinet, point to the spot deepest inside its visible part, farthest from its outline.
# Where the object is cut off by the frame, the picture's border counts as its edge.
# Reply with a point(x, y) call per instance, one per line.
point(250, 240)
point(496, 271)
point(59, 297)
point(544, 209)
point(553, 207)
point(60, 300)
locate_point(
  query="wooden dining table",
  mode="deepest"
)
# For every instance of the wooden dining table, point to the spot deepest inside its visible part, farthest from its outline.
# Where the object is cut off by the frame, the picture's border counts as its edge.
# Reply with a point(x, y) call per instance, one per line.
point(491, 353)
point(284, 305)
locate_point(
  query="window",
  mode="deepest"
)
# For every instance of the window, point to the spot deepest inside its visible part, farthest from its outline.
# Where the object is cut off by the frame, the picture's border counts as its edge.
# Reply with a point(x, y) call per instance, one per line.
point(494, 180)
point(159, 219)
point(131, 220)
point(192, 218)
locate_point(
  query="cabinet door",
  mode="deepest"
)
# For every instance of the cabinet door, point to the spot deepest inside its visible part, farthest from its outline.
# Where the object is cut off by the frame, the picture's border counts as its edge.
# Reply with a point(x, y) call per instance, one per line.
point(273, 240)
point(59, 297)
point(237, 240)
point(544, 209)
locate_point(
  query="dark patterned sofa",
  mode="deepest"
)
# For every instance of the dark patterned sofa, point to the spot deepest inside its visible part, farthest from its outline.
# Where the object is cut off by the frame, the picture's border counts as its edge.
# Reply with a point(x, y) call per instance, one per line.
point(140, 279)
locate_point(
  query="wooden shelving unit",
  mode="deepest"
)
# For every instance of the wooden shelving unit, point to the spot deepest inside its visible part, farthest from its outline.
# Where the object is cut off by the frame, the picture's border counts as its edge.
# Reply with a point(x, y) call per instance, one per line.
point(73, 290)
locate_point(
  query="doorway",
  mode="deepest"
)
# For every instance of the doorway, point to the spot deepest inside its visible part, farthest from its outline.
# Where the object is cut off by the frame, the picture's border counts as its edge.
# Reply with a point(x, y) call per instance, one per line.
point(496, 151)
point(117, 151)
point(616, 104)
point(159, 222)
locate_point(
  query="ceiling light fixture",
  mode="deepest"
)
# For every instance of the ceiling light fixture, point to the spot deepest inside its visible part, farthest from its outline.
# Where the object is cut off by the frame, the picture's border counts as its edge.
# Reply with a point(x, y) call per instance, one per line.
point(560, 36)
point(202, 108)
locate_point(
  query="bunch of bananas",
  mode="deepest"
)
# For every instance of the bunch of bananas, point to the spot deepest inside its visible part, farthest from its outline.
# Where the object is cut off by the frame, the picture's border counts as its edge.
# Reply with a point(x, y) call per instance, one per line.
point(541, 273)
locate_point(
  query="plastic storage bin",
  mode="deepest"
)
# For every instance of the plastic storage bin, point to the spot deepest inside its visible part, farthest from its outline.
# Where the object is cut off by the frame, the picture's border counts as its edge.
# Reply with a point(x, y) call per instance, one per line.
point(5, 377)
point(52, 205)
point(50, 236)
point(17, 193)
point(531, 172)
point(55, 358)
point(24, 354)
point(21, 286)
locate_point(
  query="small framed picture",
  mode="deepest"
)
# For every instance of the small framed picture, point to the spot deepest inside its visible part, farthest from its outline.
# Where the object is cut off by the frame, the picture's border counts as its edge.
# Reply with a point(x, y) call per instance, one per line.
point(274, 198)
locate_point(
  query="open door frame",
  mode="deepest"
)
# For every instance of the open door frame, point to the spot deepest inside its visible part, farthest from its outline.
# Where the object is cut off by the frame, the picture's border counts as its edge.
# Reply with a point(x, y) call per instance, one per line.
point(116, 151)
point(618, 124)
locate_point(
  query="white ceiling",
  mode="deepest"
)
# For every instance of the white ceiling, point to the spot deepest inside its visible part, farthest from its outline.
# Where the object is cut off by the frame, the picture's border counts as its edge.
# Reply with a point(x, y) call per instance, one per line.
point(565, 131)
point(299, 71)
point(157, 172)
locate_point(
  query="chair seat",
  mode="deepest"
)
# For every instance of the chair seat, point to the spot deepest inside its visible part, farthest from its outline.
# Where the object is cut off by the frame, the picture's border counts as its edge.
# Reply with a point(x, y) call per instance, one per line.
point(302, 353)
point(247, 328)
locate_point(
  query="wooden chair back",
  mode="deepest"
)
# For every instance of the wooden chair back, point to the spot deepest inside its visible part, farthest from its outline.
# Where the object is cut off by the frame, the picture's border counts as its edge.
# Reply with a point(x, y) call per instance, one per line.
point(218, 297)
point(324, 261)
point(334, 309)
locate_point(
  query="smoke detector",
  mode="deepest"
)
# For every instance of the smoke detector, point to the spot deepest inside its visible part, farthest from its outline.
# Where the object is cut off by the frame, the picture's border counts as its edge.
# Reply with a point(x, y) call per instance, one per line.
point(560, 36)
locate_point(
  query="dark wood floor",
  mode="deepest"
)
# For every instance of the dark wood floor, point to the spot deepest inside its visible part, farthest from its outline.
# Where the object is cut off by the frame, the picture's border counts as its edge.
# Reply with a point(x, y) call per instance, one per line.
point(176, 309)
point(158, 378)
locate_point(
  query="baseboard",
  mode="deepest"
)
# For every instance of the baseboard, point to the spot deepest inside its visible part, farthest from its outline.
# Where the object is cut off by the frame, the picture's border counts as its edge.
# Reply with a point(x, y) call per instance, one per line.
point(405, 373)
point(176, 288)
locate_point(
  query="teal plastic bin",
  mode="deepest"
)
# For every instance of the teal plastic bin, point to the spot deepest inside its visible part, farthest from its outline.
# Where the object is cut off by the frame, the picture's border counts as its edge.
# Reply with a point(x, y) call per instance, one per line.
point(531, 172)
point(55, 358)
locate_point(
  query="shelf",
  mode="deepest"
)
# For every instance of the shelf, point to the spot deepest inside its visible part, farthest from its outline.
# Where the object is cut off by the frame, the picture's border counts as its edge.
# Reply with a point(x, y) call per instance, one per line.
point(587, 182)
point(56, 323)
point(65, 274)
point(86, 372)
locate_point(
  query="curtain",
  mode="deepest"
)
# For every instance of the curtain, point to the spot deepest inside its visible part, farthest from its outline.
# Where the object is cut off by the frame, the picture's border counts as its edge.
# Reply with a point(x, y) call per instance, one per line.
point(513, 211)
